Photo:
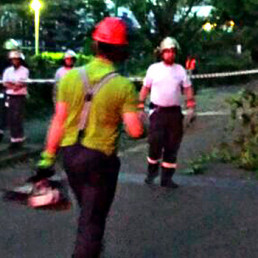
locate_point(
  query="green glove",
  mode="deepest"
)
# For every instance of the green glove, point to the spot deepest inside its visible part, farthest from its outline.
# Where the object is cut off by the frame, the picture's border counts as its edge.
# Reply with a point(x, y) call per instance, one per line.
point(45, 167)
point(47, 160)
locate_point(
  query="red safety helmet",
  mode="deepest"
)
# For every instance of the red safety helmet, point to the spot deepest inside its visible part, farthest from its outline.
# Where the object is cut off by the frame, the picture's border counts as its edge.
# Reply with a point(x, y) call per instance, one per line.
point(111, 30)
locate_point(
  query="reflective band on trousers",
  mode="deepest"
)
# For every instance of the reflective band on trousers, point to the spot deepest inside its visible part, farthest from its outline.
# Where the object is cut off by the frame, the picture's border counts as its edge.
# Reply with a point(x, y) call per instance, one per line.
point(18, 139)
point(152, 161)
point(168, 165)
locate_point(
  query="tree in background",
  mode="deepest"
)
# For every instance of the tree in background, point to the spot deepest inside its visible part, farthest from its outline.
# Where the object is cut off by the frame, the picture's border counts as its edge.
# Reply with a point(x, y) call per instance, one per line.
point(162, 18)
point(66, 23)
point(244, 13)
point(63, 23)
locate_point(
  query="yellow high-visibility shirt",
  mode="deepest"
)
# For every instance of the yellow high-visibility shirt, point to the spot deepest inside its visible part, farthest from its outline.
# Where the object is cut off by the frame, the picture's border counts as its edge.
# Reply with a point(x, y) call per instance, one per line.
point(116, 97)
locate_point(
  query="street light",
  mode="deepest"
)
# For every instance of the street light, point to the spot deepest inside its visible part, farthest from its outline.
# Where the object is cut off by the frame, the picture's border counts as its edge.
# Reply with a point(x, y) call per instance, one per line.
point(36, 5)
point(208, 26)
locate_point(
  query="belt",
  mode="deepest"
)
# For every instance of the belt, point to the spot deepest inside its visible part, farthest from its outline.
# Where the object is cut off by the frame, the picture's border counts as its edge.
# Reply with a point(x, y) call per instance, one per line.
point(152, 106)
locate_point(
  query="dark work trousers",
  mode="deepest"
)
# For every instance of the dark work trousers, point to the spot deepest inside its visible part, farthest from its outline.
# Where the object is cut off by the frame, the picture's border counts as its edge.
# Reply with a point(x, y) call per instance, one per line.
point(165, 133)
point(93, 178)
point(15, 117)
point(3, 110)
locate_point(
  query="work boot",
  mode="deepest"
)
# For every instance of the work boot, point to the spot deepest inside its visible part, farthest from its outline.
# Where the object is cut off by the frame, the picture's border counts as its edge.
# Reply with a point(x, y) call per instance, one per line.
point(153, 172)
point(166, 178)
point(1, 136)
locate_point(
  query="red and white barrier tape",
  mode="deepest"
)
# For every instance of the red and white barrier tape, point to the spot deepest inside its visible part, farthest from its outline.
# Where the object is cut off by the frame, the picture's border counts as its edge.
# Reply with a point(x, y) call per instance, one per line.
point(139, 79)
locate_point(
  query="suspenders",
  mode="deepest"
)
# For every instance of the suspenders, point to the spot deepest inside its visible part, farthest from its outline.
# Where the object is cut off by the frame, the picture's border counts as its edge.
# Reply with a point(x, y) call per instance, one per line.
point(90, 92)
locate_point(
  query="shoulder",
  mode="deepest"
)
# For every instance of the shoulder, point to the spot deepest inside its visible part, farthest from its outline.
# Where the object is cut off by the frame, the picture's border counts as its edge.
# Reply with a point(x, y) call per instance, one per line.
point(122, 82)
point(24, 69)
point(59, 69)
point(179, 68)
point(8, 69)
point(70, 79)
point(122, 86)
point(155, 66)
point(59, 73)
point(72, 74)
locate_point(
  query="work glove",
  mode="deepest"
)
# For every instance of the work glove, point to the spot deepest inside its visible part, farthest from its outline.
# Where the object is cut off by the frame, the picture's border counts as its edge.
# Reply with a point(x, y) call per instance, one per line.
point(44, 168)
point(190, 117)
point(143, 116)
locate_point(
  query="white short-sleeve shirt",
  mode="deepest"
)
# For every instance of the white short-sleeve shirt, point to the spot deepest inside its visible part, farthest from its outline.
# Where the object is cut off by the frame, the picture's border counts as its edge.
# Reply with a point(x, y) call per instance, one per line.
point(16, 75)
point(165, 83)
point(61, 72)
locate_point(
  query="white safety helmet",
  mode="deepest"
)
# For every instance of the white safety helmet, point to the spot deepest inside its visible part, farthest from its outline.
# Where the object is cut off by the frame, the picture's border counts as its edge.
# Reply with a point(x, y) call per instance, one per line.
point(70, 54)
point(11, 44)
point(168, 43)
point(16, 54)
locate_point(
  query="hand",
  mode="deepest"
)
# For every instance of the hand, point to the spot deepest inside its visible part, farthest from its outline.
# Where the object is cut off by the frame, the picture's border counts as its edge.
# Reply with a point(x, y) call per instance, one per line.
point(47, 160)
point(20, 85)
point(143, 116)
point(190, 116)
point(17, 86)
point(45, 167)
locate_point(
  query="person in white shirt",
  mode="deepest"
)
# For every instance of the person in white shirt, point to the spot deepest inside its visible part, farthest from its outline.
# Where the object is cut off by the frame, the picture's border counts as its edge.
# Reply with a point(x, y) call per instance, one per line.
point(164, 80)
point(14, 79)
point(68, 64)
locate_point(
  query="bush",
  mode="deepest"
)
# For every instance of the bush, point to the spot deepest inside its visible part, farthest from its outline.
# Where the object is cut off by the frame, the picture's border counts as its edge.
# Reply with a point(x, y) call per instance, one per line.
point(244, 148)
point(44, 66)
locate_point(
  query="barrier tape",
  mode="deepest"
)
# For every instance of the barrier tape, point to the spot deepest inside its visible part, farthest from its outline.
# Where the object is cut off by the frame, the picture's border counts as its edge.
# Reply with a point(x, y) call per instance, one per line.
point(29, 81)
point(211, 75)
point(139, 79)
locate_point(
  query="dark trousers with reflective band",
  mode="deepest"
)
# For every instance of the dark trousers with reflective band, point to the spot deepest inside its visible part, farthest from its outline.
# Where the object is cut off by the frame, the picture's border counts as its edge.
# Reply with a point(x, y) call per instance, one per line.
point(3, 111)
point(93, 177)
point(15, 116)
point(165, 133)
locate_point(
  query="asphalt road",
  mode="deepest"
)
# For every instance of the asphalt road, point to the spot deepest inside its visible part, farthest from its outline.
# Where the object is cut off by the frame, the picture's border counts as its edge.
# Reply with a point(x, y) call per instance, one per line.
point(210, 215)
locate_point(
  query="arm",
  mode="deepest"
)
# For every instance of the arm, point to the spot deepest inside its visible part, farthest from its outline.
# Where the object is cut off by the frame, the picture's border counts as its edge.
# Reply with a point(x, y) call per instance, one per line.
point(55, 133)
point(189, 97)
point(133, 125)
point(56, 129)
point(142, 96)
point(21, 83)
point(9, 85)
point(144, 93)
point(190, 105)
point(145, 90)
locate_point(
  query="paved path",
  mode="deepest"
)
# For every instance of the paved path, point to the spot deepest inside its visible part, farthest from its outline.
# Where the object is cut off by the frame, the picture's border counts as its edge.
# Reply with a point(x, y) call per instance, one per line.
point(211, 215)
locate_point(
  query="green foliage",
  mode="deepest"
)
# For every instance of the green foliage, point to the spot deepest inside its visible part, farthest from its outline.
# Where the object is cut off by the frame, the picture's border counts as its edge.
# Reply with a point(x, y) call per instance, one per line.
point(39, 101)
point(44, 66)
point(244, 14)
point(198, 165)
point(52, 55)
point(215, 51)
point(229, 62)
point(244, 148)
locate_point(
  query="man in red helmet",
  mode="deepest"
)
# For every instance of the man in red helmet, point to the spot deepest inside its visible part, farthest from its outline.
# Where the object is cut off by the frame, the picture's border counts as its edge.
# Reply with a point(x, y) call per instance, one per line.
point(90, 152)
